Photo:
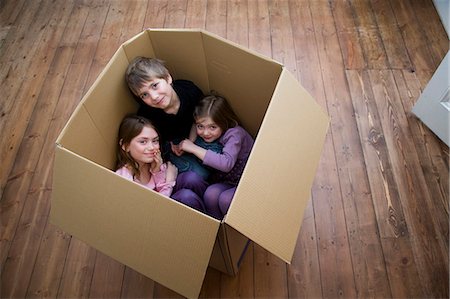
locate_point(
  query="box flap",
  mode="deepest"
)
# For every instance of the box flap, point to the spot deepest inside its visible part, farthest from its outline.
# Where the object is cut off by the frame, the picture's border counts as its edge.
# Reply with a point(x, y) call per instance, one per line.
point(269, 208)
point(155, 235)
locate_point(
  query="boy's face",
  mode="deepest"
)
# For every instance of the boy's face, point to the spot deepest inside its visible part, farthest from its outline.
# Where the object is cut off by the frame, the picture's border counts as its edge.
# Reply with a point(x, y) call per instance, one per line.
point(157, 93)
point(208, 129)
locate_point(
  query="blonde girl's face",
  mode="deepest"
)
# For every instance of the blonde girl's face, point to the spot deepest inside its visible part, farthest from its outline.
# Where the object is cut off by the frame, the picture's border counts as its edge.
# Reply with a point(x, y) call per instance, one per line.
point(157, 93)
point(144, 147)
point(208, 129)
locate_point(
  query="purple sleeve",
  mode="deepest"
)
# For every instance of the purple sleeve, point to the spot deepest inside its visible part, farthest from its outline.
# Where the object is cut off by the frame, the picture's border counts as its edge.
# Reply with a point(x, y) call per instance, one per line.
point(232, 144)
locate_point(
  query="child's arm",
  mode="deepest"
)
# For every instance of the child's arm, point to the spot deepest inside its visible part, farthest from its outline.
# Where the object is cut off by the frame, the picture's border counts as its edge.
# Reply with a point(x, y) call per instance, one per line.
point(165, 179)
point(190, 147)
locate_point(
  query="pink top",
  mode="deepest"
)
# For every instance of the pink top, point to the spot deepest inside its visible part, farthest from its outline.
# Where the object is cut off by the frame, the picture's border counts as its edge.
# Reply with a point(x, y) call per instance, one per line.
point(157, 180)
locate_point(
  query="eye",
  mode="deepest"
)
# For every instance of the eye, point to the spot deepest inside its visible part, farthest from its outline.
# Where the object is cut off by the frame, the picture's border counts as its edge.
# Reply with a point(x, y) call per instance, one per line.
point(155, 85)
point(143, 142)
point(144, 95)
point(155, 141)
point(199, 126)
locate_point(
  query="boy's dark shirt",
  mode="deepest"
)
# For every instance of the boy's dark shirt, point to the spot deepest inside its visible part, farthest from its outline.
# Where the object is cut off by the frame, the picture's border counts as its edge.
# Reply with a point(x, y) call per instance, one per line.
point(175, 127)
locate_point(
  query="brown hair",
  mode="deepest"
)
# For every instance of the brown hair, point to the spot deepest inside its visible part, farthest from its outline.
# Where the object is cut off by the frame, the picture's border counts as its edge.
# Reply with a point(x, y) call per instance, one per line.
point(142, 70)
point(218, 109)
point(130, 127)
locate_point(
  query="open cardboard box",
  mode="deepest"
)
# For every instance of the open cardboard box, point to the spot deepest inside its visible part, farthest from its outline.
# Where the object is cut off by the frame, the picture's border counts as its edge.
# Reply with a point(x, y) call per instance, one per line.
point(157, 236)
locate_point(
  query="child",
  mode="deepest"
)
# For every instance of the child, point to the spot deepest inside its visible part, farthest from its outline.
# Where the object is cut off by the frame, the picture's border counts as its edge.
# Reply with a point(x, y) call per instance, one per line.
point(215, 120)
point(139, 159)
point(169, 104)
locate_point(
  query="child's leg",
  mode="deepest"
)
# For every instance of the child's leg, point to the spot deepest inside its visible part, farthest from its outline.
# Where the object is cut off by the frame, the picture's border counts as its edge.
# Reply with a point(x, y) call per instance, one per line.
point(189, 198)
point(191, 180)
point(225, 199)
point(211, 199)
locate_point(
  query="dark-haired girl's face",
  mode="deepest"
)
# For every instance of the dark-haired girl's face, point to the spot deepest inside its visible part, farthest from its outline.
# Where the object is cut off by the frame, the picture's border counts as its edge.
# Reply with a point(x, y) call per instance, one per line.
point(207, 129)
point(144, 147)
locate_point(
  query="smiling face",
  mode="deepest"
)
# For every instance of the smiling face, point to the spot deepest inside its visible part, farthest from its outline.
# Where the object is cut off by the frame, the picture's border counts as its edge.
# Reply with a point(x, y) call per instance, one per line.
point(144, 147)
point(208, 129)
point(158, 93)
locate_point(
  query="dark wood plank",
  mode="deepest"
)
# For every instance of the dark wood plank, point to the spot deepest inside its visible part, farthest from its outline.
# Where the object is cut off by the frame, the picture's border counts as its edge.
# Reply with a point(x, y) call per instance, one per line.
point(17, 55)
point(369, 35)
point(416, 43)
point(403, 276)
point(391, 35)
point(346, 30)
point(365, 263)
point(136, 285)
point(427, 241)
point(80, 259)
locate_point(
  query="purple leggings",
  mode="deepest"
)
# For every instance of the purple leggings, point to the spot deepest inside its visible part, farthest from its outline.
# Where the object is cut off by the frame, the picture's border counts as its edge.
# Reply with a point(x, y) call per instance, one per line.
point(218, 198)
point(189, 190)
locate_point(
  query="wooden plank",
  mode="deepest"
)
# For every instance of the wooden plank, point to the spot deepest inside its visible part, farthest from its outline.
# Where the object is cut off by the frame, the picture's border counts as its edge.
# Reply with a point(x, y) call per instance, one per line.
point(107, 278)
point(369, 35)
point(304, 272)
point(430, 148)
point(175, 14)
point(281, 33)
point(346, 30)
point(259, 27)
point(136, 285)
point(211, 284)
point(216, 17)
point(196, 14)
point(422, 219)
point(155, 14)
point(391, 36)
point(243, 284)
point(434, 165)
point(16, 190)
point(365, 268)
point(78, 268)
point(416, 43)
point(433, 30)
point(403, 276)
point(17, 54)
point(237, 22)
point(10, 11)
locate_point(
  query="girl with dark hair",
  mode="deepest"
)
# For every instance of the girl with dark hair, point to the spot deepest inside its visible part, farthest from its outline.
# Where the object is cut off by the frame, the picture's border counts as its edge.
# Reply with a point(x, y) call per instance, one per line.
point(215, 120)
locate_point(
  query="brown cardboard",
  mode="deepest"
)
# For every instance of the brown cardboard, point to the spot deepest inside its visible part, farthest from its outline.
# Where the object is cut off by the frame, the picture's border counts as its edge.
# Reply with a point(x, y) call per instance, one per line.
point(163, 239)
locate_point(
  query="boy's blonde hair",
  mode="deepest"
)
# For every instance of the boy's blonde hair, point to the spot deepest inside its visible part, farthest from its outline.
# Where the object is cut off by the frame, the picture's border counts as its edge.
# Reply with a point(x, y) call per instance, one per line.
point(142, 70)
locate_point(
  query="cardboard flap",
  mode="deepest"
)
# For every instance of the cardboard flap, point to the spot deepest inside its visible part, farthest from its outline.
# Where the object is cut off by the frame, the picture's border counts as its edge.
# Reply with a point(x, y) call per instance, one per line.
point(132, 224)
point(269, 208)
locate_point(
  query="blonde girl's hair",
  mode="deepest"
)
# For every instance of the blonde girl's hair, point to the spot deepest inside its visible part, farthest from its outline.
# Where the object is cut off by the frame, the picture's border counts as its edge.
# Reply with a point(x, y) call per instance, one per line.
point(142, 70)
point(130, 127)
point(218, 109)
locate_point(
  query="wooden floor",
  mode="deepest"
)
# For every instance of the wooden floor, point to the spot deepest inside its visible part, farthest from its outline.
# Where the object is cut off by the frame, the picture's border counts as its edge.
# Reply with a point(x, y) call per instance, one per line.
point(378, 222)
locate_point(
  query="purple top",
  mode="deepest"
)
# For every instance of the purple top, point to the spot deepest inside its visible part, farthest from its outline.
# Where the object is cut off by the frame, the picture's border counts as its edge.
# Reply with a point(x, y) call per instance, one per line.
point(237, 145)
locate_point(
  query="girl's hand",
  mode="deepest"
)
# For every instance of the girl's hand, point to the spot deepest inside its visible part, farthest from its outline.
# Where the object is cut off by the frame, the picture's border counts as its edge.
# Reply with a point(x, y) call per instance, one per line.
point(176, 149)
point(171, 172)
point(187, 146)
point(155, 165)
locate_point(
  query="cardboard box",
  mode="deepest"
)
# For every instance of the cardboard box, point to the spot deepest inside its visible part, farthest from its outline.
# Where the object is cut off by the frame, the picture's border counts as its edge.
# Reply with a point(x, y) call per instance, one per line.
point(159, 237)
